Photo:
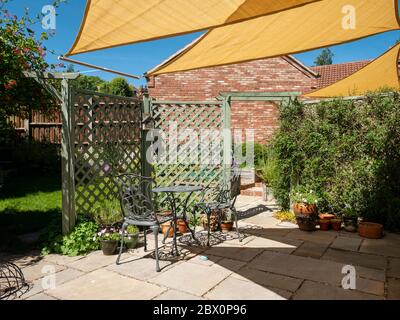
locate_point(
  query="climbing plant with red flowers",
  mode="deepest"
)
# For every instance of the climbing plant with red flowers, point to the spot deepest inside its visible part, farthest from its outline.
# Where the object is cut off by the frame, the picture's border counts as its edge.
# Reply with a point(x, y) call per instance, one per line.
point(21, 50)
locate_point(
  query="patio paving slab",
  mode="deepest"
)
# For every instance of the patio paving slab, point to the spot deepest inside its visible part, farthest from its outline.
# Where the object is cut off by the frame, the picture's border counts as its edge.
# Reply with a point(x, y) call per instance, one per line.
point(394, 268)
point(347, 243)
point(236, 253)
point(35, 287)
point(355, 258)
point(140, 269)
point(317, 291)
point(278, 244)
point(104, 284)
point(95, 260)
point(268, 280)
point(311, 249)
point(61, 260)
point(235, 289)
point(388, 246)
point(40, 269)
point(195, 280)
point(41, 296)
point(393, 289)
point(318, 237)
point(177, 295)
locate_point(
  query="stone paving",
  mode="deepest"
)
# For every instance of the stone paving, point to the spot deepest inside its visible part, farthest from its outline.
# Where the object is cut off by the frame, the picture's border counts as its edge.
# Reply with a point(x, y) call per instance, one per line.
point(274, 261)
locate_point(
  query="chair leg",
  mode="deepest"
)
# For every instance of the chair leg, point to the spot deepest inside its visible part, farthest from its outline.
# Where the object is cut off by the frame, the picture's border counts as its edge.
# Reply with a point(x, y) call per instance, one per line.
point(208, 227)
point(175, 238)
point(236, 224)
point(155, 230)
point(122, 243)
point(145, 239)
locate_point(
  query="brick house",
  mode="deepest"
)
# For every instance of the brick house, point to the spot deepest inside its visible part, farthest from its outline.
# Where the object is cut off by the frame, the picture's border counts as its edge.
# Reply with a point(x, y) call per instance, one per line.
point(281, 74)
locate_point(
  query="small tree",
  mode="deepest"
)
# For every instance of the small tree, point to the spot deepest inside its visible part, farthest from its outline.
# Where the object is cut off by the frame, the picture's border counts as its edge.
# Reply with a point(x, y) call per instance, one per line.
point(325, 58)
point(120, 87)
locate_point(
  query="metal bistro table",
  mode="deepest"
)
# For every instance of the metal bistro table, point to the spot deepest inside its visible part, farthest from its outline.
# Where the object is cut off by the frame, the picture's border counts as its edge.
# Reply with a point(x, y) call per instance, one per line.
point(171, 192)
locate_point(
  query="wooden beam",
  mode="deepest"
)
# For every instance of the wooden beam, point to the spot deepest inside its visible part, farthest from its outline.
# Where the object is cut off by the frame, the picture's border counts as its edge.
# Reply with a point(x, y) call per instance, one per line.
point(67, 159)
point(97, 67)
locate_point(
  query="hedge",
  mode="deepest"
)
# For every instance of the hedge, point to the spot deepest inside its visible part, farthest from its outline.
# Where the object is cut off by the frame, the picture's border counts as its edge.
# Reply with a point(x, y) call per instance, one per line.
point(348, 151)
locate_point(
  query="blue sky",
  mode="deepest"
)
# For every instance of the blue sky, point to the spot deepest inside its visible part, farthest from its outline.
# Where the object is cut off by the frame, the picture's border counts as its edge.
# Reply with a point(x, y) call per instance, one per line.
point(138, 58)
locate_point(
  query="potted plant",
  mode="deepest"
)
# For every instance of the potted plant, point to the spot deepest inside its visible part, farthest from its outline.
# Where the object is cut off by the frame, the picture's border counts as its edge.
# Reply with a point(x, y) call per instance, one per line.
point(109, 239)
point(336, 224)
point(107, 214)
point(131, 237)
point(267, 172)
point(305, 208)
point(350, 220)
point(167, 229)
point(214, 225)
point(182, 227)
point(324, 225)
point(325, 221)
point(226, 223)
point(370, 230)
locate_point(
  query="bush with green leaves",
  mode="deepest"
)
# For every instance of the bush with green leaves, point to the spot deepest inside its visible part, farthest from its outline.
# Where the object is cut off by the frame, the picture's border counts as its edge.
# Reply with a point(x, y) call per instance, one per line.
point(347, 151)
point(259, 151)
point(82, 240)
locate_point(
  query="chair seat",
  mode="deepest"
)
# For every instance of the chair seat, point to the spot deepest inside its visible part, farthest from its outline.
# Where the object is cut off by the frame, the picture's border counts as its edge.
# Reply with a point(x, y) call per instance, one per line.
point(214, 205)
point(162, 218)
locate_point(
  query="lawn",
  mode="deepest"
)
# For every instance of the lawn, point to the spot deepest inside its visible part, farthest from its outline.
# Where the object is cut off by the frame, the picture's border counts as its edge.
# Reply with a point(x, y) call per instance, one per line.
point(27, 204)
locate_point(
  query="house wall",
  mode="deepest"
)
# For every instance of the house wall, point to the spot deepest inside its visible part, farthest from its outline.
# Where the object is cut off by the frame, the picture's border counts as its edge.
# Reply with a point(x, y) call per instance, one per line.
point(266, 75)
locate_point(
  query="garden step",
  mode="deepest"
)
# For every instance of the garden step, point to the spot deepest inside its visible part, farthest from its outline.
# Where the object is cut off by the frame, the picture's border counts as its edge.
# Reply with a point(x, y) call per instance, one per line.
point(247, 186)
point(253, 192)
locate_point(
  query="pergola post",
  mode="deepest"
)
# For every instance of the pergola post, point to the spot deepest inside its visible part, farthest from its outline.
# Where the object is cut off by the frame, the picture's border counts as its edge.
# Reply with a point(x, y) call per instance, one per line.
point(227, 136)
point(67, 159)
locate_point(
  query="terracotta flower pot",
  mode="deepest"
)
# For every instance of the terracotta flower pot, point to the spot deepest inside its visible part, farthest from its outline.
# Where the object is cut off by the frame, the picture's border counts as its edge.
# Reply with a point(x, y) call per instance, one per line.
point(326, 216)
point(182, 228)
point(303, 209)
point(370, 230)
point(226, 226)
point(165, 227)
point(109, 247)
point(324, 225)
point(336, 224)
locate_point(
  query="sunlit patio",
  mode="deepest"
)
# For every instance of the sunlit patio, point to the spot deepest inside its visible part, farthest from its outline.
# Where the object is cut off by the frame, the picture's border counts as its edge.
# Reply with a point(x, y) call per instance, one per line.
point(274, 261)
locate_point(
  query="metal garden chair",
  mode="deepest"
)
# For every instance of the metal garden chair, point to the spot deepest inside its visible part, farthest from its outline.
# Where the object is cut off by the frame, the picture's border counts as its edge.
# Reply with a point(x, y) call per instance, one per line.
point(138, 208)
point(225, 196)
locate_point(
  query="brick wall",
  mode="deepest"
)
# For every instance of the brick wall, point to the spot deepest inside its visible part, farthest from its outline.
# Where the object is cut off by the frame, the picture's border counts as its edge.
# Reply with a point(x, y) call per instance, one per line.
point(266, 75)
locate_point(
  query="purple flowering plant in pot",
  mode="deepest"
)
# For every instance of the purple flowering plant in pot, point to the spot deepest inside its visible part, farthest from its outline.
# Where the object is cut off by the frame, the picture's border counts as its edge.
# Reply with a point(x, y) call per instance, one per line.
point(109, 239)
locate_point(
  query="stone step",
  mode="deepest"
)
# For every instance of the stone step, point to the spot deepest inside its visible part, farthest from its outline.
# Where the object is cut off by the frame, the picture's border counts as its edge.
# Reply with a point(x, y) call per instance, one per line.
point(253, 192)
point(247, 186)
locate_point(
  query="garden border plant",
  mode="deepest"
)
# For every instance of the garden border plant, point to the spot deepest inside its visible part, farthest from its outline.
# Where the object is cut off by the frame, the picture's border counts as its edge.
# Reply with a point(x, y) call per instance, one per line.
point(348, 151)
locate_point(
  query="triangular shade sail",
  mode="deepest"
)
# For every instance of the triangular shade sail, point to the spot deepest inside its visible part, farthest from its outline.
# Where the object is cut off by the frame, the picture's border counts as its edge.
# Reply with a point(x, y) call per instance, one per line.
point(110, 23)
point(380, 73)
point(313, 26)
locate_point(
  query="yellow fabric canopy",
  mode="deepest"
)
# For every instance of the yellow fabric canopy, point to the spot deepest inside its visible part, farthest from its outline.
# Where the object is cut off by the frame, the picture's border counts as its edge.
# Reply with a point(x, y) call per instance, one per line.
point(110, 23)
point(300, 29)
point(379, 74)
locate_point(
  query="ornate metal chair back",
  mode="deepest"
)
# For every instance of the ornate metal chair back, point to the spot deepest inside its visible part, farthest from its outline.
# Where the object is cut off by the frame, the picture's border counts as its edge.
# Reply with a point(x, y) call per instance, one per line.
point(136, 197)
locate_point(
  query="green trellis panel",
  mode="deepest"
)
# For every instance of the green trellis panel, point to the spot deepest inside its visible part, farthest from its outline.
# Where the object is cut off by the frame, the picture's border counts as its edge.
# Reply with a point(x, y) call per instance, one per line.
point(210, 117)
point(107, 141)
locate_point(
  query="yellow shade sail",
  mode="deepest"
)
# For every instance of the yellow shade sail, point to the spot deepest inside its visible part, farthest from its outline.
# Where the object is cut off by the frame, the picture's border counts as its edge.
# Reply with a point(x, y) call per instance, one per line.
point(379, 74)
point(300, 29)
point(110, 23)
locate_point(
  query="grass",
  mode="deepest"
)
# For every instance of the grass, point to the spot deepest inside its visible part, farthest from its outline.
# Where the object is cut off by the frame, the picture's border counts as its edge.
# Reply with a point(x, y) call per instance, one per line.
point(27, 204)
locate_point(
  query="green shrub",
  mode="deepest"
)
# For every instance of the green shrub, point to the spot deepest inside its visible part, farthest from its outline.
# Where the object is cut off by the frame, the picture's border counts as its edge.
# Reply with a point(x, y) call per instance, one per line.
point(82, 240)
point(348, 152)
point(260, 153)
